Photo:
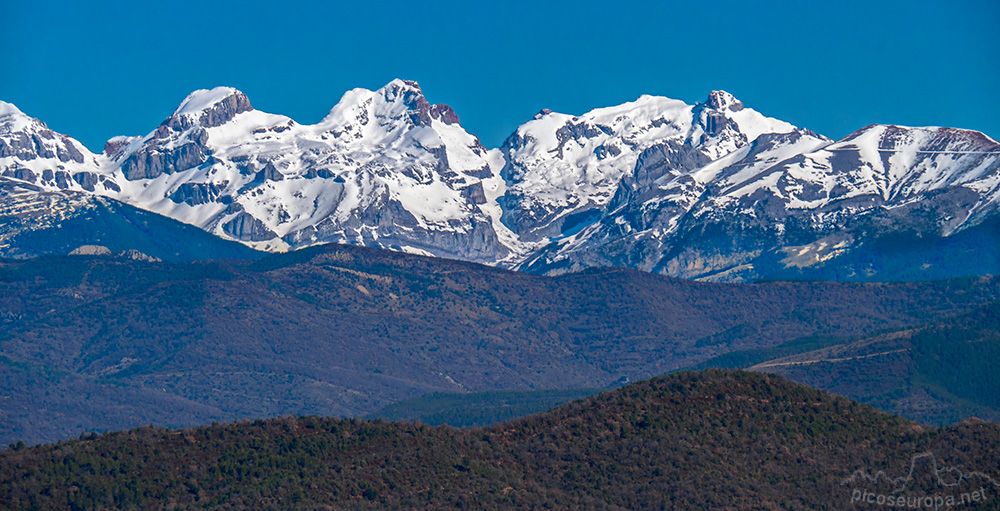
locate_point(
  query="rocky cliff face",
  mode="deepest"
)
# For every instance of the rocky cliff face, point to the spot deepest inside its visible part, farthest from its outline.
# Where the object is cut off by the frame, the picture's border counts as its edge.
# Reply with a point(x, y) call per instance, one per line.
point(713, 190)
point(32, 153)
point(792, 201)
point(563, 171)
point(385, 168)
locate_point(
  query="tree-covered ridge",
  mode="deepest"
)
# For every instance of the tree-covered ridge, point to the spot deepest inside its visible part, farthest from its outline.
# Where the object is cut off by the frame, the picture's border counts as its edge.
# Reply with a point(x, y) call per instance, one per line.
point(96, 343)
point(477, 409)
point(949, 375)
point(693, 440)
point(938, 373)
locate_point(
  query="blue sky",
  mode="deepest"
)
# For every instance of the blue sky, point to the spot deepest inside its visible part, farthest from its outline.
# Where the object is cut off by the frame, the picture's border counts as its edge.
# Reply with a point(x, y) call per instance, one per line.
point(94, 70)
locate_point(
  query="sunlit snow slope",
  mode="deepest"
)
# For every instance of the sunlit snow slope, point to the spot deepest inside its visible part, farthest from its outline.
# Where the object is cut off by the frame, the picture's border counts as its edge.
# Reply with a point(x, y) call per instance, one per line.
point(713, 190)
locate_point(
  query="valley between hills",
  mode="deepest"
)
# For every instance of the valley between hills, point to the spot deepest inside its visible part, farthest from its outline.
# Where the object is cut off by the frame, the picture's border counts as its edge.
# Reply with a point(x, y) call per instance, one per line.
point(108, 342)
point(652, 305)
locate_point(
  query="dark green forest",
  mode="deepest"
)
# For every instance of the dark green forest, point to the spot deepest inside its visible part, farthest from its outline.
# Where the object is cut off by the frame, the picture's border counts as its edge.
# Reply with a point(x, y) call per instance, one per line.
point(691, 440)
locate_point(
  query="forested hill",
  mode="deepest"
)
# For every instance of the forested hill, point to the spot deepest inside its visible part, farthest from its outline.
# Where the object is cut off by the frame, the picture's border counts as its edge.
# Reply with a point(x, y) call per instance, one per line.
point(109, 343)
point(938, 374)
point(692, 440)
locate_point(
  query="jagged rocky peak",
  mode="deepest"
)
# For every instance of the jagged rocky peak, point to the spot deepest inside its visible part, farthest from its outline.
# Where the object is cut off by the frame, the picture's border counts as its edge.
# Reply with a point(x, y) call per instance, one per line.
point(422, 111)
point(722, 125)
point(627, 185)
point(542, 113)
point(179, 143)
point(722, 100)
point(24, 138)
point(209, 108)
point(397, 100)
point(562, 170)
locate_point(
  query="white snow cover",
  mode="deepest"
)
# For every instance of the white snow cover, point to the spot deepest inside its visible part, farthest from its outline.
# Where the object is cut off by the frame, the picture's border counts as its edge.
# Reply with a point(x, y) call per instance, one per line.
point(70, 156)
point(384, 166)
point(12, 119)
point(562, 164)
point(8, 109)
point(754, 124)
point(554, 173)
point(202, 99)
point(894, 163)
point(367, 151)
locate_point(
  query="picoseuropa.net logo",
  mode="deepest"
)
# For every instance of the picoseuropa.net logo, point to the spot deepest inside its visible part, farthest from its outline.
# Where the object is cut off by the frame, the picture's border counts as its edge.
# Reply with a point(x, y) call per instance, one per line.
point(928, 484)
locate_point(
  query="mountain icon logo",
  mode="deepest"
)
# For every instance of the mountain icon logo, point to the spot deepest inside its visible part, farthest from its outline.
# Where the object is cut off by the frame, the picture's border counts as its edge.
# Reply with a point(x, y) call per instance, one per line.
point(928, 483)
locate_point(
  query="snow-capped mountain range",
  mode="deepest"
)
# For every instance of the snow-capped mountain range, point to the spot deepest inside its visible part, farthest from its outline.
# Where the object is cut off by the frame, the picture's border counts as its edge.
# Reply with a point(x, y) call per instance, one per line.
point(711, 190)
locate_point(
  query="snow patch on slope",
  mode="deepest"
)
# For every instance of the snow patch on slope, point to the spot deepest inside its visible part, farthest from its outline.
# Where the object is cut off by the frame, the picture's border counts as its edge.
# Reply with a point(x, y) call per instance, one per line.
point(203, 98)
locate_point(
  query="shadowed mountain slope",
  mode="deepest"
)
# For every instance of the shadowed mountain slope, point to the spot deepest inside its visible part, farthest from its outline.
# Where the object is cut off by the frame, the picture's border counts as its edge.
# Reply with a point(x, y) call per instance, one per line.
point(109, 343)
point(35, 222)
point(939, 373)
